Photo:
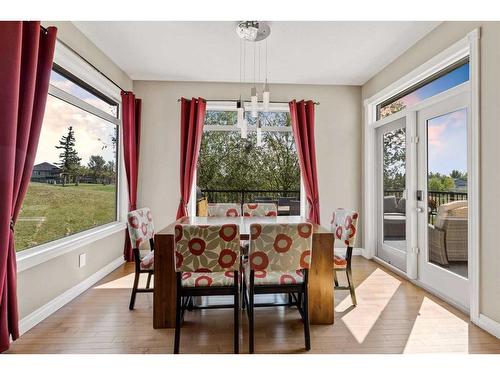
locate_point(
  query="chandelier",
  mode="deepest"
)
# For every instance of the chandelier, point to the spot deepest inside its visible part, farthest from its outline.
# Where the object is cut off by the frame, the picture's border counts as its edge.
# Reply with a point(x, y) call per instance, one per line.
point(253, 32)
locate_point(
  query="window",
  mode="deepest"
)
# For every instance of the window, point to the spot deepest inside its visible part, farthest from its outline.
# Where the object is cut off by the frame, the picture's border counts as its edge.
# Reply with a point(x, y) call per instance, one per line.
point(232, 169)
point(73, 186)
point(446, 79)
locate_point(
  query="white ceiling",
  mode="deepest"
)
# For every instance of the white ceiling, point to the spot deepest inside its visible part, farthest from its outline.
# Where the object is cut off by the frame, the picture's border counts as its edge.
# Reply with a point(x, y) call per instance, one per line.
point(298, 52)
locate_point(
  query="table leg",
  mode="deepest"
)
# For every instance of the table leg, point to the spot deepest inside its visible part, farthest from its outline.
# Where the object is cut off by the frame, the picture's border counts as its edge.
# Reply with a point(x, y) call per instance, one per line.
point(164, 283)
point(321, 297)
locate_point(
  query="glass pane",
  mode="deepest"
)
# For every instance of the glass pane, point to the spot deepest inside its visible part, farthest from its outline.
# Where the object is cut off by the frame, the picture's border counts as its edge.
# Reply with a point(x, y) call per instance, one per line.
point(72, 88)
point(270, 118)
point(73, 184)
point(394, 185)
point(447, 191)
point(439, 85)
point(232, 169)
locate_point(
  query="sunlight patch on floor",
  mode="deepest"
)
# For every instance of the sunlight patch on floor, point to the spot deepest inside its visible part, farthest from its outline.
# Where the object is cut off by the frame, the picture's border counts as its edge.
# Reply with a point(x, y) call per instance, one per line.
point(436, 328)
point(124, 282)
point(362, 318)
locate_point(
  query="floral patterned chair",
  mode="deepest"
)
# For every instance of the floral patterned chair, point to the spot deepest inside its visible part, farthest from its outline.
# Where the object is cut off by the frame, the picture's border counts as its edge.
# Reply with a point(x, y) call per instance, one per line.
point(344, 225)
point(279, 259)
point(207, 263)
point(260, 209)
point(224, 209)
point(140, 230)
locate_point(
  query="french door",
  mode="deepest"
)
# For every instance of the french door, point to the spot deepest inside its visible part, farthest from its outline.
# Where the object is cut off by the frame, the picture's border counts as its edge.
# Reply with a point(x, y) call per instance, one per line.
point(442, 198)
point(391, 153)
point(422, 216)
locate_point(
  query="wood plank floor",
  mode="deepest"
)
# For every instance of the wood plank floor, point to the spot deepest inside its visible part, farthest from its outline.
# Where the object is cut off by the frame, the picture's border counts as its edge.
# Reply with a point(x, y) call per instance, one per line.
point(392, 316)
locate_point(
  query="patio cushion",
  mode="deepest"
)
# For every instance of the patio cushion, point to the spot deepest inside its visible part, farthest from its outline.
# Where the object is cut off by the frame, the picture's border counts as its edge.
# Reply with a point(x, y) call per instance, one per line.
point(273, 277)
point(390, 203)
point(207, 279)
point(339, 261)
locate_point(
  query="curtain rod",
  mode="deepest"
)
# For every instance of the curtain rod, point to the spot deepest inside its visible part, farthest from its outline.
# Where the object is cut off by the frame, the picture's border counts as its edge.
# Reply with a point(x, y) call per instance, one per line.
point(236, 100)
point(44, 29)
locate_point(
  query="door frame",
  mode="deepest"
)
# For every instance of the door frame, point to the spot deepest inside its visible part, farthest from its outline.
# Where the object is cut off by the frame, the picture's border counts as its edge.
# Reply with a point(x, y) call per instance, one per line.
point(467, 46)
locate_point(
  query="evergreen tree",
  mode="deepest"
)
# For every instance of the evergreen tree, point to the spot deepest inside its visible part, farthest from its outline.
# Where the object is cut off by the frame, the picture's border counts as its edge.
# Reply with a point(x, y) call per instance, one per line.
point(69, 161)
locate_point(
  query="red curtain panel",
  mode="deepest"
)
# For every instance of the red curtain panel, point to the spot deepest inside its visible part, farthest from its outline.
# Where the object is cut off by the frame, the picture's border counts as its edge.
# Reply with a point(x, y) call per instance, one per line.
point(27, 52)
point(302, 118)
point(192, 119)
point(131, 125)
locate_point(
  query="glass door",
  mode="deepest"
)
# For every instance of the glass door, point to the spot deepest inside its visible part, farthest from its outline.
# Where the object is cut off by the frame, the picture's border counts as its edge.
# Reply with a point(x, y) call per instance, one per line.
point(392, 193)
point(442, 197)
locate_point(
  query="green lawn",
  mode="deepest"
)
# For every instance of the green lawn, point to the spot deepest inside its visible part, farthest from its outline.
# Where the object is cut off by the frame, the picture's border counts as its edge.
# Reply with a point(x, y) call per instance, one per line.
point(52, 211)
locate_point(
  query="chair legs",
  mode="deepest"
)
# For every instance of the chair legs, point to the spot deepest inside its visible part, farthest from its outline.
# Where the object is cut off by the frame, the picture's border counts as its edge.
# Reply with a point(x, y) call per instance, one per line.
point(250, 311)
point(237, 319)
point(178, 313)
point(148, 283)
point(335, 278)
point(307, 334)
point(351, 285)
point(134, 291)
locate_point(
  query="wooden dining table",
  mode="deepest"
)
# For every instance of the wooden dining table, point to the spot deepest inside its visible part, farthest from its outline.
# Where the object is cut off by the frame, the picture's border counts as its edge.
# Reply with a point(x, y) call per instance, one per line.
point(321, 281)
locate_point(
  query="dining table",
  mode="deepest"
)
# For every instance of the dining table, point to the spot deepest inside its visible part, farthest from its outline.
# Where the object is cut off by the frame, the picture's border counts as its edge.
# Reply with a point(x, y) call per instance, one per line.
point(321, 279)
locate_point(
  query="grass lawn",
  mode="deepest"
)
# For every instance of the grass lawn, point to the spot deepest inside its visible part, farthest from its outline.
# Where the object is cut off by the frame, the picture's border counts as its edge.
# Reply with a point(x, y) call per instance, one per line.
point(52, 211)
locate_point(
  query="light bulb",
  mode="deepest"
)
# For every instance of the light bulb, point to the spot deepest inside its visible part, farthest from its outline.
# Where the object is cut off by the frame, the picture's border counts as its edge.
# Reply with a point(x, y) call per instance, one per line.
point(259, 136)
point(253, 100)
point(240, 118)
point(266, 97)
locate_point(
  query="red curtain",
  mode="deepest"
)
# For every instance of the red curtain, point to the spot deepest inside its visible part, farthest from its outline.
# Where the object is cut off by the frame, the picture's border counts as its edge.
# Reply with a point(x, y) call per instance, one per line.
point(192, 119)
point(131, 124)
point(27, 52)
point(302, 118)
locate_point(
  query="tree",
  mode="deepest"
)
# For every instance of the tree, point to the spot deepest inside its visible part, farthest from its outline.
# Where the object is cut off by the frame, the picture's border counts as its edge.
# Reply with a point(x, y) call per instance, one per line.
point(394, 159)
point(96, 166)
point(456, 174)
point(69, 161)
point(439, 182)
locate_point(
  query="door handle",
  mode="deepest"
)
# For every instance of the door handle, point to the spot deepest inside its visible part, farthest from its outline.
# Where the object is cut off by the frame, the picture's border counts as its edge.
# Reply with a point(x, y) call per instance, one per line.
point(420, 209)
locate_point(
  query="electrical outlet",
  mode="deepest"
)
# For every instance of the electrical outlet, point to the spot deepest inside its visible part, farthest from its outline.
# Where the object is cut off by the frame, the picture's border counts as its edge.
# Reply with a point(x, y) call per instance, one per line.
point(82, 260)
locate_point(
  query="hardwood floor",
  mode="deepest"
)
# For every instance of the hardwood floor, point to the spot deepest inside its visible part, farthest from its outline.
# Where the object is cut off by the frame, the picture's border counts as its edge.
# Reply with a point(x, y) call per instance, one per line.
point(392, 316)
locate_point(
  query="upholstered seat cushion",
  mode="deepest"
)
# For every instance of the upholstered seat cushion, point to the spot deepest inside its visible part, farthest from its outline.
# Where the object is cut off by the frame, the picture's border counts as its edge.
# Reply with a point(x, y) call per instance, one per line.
point(339, 261)
point(273, 277)
point(207, 279)
point(147, 263)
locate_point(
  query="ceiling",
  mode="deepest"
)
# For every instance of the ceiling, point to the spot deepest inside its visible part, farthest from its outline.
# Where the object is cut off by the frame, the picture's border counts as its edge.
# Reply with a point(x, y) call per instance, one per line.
point(298, 52)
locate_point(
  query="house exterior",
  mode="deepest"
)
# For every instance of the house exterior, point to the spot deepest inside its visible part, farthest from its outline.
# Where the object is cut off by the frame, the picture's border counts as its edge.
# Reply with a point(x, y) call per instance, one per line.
point(46, 172)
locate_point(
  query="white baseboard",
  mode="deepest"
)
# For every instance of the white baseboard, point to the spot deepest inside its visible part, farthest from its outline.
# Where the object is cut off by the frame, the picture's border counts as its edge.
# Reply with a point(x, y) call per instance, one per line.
point(49, 308)
point(489, 325)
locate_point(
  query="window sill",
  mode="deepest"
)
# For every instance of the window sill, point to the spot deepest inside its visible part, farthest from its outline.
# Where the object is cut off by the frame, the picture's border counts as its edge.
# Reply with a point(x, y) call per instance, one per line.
point(34, 256)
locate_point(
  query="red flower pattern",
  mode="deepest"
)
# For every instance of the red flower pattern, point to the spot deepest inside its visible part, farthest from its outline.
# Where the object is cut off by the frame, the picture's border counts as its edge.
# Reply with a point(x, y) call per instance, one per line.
point(196, 246)
point(203, 281)
point(305, 259)
point(228, 232)
point(259, 260)
point(227, 258)
point(304, 230)
point(282, 243)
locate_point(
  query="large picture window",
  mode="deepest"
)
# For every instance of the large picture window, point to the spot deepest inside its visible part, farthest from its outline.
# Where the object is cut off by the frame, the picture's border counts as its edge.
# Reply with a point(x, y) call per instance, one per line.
point(237, 170)
point(73, 186)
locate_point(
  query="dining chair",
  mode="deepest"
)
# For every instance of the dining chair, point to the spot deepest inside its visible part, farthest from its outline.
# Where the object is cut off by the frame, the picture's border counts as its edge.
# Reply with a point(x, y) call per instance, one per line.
point(207, 263)
point(141, 229)
point(224, 209)
point(279, 259)
point(260, 209)
point(344, 225)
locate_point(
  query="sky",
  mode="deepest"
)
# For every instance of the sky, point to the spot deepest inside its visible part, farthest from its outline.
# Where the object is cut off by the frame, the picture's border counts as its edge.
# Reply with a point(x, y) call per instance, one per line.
point(92, 133)
point(447, 134)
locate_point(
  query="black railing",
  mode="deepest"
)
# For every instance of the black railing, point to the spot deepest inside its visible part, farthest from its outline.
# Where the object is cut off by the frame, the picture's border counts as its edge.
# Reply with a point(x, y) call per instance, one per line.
point(250, 196)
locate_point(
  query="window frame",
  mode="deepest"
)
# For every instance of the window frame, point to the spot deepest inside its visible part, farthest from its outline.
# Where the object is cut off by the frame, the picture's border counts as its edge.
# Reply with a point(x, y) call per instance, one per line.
point(231, 106)
point(68, 61)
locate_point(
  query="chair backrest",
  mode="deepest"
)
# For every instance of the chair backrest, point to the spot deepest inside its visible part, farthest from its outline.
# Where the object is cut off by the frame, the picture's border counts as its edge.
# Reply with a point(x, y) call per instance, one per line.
point(202, 207)
point(140, 226)
point(207, 248)
point(280, 247)
point(224, 209)
point(260, 209)
point(455, 209)
point(344, 225)
point(295, 208)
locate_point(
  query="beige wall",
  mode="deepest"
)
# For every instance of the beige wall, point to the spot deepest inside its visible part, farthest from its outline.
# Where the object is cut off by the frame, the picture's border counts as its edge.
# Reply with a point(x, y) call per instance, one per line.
point(436, 41)
point(338, 141)
point(41, 284)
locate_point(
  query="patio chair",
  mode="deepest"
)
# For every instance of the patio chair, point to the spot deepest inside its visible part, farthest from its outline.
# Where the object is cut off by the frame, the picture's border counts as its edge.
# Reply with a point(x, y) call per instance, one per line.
point(344, 223)
point(279, 259)
point(224, 209)
point(207, 263)
point(140, 230)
